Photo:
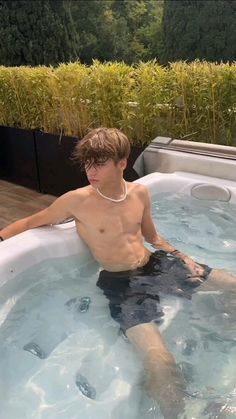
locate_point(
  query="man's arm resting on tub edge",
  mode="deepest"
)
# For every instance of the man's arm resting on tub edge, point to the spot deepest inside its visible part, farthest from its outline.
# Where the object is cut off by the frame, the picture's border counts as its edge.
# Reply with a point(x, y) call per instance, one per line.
point(58, 211)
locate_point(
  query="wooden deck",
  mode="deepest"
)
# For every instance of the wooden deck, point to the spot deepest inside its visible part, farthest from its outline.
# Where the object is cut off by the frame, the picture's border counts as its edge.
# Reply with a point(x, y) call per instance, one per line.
point(18, 202)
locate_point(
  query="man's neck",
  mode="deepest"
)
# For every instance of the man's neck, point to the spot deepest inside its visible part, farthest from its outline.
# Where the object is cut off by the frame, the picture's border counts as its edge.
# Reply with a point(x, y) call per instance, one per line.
point(114, 191)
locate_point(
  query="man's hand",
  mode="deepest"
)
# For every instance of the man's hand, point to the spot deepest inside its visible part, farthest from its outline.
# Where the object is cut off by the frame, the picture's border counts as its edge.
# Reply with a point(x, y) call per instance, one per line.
point(195, 269)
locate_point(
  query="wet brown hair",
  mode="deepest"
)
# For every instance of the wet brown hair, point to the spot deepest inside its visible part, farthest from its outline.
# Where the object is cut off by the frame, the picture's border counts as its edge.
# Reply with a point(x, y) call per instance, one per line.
point(101, 144)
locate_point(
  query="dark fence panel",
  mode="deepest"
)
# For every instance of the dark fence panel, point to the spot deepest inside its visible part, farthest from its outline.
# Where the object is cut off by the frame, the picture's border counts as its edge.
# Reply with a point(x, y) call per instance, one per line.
point(17, 157)
point(57, 172)
point(130, 174)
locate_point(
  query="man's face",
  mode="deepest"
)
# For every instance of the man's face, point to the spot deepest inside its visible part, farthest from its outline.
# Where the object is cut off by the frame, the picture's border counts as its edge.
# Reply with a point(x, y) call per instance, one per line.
point(104, 172)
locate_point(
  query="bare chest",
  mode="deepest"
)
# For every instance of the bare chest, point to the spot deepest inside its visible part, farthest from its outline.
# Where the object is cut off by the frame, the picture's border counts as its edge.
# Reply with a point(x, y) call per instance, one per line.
point(109, 218)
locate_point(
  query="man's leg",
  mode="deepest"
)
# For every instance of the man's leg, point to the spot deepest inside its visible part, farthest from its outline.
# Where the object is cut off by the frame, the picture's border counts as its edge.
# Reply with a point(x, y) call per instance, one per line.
point(220, 278)
point(163, 381)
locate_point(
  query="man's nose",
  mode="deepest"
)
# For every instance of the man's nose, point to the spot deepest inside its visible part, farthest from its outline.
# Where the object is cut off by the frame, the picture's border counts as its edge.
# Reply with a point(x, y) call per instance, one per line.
point(91, 169)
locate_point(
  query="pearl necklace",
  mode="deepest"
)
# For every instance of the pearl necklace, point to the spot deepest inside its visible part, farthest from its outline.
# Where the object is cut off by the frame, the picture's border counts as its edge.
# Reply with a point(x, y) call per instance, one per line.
point(115, 200)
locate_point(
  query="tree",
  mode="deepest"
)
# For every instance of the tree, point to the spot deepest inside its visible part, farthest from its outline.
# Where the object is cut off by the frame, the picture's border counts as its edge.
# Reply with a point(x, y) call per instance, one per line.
point(111, 30)
point(88, 17)
point(37, 32)
point(199, 29)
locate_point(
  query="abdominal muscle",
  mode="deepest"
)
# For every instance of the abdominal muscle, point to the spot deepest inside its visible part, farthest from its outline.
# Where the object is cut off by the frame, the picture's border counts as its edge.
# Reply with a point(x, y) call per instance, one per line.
point(121, 256)
point(123, 262)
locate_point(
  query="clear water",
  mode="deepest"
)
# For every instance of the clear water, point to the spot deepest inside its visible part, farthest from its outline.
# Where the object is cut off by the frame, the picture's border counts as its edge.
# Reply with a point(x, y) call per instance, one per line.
point(202, 336)
point(205, 230)
point(40, 307)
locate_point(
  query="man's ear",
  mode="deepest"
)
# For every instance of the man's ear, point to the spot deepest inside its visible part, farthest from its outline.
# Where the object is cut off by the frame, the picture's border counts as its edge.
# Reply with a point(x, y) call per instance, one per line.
point(123, 164)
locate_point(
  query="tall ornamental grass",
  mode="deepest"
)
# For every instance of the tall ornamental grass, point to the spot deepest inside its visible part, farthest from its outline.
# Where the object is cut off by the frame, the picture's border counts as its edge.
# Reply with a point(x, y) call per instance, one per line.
point(26, 98)
point(154, 102)
point(111, 88)
point(71, 94)
point(208, 101)
point(195, 99)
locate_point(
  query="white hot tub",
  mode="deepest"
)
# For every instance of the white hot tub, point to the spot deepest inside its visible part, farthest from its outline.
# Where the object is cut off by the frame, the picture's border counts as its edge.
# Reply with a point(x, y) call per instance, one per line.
point(28, 392)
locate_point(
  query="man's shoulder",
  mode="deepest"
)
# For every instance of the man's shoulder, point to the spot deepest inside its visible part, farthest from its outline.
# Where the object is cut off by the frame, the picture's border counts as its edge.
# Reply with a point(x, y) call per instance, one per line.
point(76, 194)
point(80, 193)
point(138, 188)
point(82, 190)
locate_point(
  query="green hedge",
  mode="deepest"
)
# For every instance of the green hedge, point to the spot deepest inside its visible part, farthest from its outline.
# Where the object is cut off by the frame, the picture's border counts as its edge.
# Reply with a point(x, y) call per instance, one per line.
point(144, 100)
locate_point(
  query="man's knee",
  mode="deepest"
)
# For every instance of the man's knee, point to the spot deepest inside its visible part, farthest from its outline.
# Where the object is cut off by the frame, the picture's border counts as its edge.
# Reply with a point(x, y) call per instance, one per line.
point(221, 277)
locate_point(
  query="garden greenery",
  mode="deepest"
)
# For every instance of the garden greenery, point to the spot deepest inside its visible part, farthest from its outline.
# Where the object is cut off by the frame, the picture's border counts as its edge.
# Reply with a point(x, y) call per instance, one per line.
point(144, 101)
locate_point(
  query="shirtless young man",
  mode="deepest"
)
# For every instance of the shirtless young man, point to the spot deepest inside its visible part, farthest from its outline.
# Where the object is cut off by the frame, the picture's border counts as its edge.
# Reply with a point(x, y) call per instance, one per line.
point(113, 214)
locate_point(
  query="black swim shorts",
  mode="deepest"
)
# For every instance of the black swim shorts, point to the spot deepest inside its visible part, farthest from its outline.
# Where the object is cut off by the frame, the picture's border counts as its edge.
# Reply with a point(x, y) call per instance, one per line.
point(134, 296)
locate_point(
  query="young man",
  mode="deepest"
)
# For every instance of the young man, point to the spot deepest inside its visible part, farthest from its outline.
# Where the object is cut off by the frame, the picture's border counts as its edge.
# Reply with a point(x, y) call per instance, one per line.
point(113, 218)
